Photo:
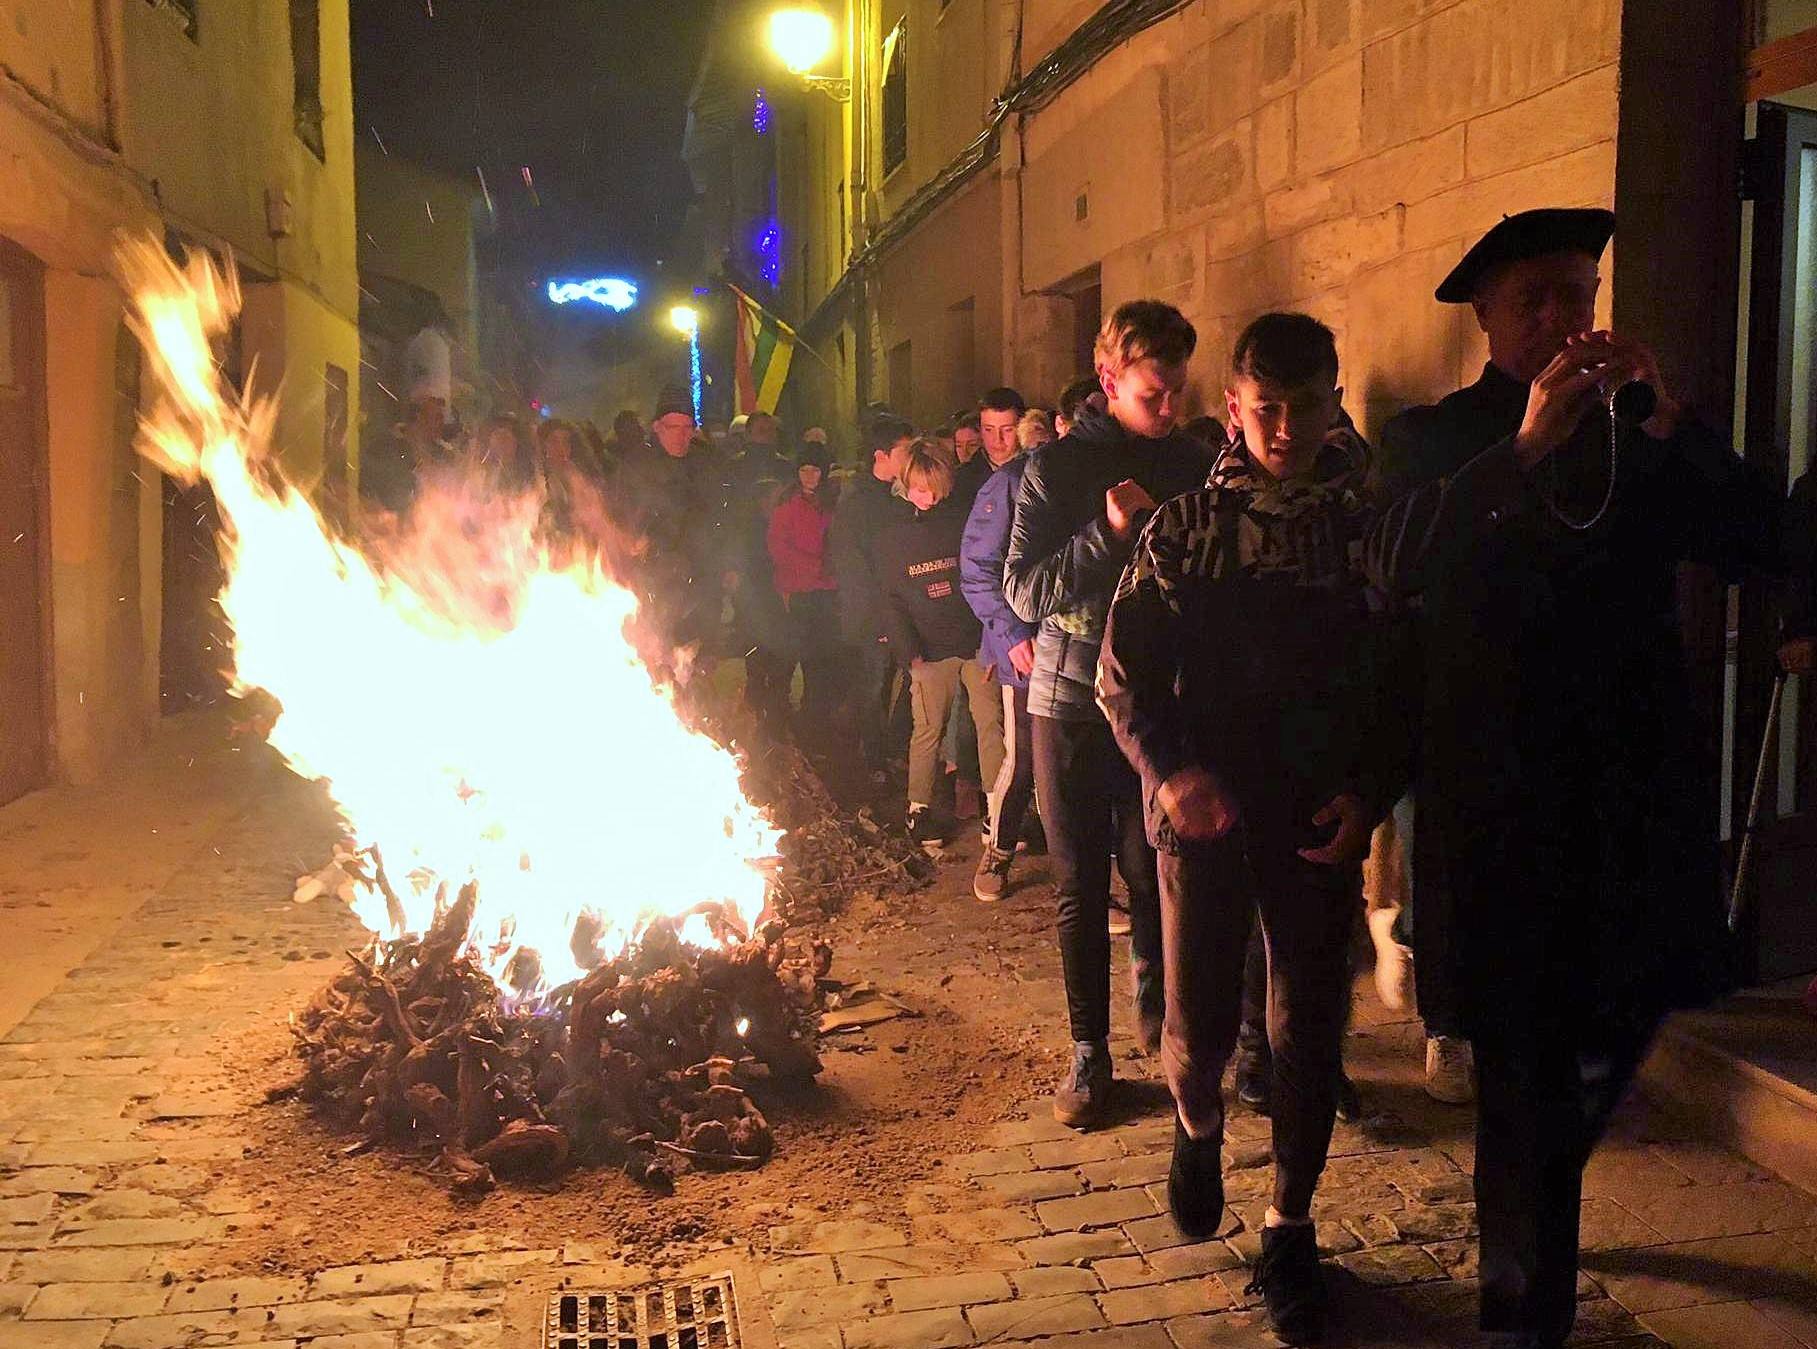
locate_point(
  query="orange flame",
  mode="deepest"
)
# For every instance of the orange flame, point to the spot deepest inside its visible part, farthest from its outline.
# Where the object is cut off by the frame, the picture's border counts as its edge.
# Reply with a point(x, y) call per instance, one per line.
point(473, 707)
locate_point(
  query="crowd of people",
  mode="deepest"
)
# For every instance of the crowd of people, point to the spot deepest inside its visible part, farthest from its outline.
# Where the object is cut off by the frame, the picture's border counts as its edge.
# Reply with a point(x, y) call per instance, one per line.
point(1236, 661)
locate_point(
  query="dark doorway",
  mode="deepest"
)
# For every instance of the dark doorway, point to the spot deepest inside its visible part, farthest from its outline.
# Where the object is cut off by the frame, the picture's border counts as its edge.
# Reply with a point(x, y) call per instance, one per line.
point(24, 541)
point(1781, 929)
point(1088, 316)
point(194, 648)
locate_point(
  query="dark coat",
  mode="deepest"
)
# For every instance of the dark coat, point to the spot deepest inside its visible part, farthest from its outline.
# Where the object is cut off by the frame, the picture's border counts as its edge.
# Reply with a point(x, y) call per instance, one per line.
point(681, 506)
point(1063, 561)
point(1565, 867)
point(924, 613)
point(865, 509)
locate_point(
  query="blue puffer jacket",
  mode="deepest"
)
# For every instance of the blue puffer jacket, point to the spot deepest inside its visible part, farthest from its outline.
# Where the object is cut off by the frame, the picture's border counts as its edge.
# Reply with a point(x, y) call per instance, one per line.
point(1063, 562)
point(981, 570)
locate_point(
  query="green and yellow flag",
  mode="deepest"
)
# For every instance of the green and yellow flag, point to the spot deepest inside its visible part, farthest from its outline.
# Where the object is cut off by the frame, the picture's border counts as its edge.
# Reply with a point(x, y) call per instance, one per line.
point(765, 347)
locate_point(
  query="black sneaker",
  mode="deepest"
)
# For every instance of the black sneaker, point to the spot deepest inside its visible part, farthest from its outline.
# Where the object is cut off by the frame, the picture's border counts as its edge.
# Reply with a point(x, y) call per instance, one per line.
point(1255, 1071)
point(1292, 1285)
point(1195, 1184)
point(928, 828)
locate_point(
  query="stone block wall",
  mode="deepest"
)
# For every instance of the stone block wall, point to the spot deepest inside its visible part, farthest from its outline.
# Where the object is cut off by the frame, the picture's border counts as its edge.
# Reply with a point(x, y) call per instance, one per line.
point(1336, 156)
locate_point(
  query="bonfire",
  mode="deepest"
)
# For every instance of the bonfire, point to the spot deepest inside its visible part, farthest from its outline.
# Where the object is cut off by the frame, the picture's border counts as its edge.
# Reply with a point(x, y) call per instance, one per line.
point(574, 955)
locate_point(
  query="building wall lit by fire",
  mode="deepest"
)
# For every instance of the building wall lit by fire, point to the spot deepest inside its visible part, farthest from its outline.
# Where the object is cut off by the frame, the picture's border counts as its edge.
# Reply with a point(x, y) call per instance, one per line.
point(225, 127)
point(1007, 171)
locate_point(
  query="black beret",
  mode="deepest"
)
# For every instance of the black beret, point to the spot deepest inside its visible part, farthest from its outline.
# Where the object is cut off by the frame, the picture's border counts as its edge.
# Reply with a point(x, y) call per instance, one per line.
point(1531, 234)
point(674, 400)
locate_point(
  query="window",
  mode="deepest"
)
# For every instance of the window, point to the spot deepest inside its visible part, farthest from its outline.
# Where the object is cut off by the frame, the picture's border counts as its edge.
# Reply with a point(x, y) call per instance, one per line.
point(901, 375)
point(895, 97)
point(184, 11)
point(306, 71)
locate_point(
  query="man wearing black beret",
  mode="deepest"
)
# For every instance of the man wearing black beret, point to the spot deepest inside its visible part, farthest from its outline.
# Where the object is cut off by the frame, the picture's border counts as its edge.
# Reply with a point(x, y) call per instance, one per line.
point(1565, 869)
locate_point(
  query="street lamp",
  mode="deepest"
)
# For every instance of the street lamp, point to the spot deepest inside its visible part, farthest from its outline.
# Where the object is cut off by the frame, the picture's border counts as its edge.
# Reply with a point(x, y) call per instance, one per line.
point(802, 37)
point(685, 319)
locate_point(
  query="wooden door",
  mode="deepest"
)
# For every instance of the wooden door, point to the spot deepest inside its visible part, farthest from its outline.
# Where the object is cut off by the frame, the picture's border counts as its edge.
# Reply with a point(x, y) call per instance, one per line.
point(24, 544)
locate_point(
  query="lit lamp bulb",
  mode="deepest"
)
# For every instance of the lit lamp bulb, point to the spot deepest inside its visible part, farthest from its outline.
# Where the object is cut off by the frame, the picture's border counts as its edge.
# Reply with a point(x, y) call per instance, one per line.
point(801, 38)
point(686, 319)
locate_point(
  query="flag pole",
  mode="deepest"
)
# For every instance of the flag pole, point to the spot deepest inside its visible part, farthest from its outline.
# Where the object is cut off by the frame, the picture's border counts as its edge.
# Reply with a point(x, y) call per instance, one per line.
point(800, 342)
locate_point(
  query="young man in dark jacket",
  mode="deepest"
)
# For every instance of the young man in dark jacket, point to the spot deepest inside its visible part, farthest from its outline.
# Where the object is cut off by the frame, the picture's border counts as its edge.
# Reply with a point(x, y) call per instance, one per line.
point(864, 510)
point(930, 629)
point(1082, 502)
point(1243, 673)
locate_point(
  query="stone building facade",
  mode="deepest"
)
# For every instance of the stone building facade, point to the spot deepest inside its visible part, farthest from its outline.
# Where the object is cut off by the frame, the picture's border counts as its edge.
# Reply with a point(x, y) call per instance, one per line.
point(1231, 156)
point(227, 127)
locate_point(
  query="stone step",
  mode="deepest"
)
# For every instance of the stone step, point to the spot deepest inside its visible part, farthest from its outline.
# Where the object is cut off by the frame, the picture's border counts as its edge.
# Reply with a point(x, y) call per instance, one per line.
point(1744, 1073)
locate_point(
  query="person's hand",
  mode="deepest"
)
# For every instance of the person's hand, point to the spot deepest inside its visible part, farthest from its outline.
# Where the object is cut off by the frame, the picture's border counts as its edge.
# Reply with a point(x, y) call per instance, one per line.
point(1798, 656)
point(1558, 399)
point(1351, 841)
point(1124, 504)
point(731, 579)
point(1630, 359)
point(916, 663)
point(1197, 806)
point(1022, 657)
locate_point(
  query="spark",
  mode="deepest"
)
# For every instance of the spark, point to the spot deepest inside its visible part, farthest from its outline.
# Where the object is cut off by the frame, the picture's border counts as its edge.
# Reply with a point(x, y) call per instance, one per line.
point(380, 139)
point(485, 191)
point(384, 390)
point(429, 210)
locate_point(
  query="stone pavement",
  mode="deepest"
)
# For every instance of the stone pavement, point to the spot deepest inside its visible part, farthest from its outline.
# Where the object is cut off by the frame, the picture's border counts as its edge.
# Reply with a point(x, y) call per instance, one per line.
point(117, 1217)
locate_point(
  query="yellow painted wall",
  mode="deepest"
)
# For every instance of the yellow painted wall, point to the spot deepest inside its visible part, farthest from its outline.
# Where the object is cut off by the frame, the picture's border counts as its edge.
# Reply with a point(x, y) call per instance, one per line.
point(113, 120)
point(211, 121)
point(52, 49)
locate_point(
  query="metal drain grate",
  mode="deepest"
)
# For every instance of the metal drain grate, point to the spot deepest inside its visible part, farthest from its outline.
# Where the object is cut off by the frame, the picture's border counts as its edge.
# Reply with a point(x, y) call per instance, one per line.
point(686, 1314)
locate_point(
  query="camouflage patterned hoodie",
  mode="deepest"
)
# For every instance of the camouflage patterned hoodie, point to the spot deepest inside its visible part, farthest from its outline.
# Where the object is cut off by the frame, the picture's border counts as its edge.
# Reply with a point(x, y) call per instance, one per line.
point(1243, 640)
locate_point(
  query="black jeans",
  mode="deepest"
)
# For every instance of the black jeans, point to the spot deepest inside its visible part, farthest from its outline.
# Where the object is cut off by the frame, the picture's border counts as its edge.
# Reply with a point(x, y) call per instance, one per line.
point(1544, 1098)
point(1091, 806)
point(1014, 789)
point(1209, 896)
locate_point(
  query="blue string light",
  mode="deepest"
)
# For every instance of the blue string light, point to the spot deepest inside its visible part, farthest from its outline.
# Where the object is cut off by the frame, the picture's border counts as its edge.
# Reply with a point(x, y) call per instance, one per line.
point(769, 251)
point(760, 115)
point(694, 379)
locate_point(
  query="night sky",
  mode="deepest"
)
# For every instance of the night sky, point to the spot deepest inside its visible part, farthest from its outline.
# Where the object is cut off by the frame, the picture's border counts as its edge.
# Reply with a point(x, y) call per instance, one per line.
point(591, 95)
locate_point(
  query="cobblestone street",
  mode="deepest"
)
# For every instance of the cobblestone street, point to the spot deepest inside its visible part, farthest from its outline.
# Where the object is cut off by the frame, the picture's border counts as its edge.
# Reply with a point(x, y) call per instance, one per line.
point(141, 1206)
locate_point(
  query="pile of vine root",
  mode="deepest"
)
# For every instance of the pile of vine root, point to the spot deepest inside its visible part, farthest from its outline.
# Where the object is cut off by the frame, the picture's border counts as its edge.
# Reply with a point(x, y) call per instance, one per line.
point(644, 1063)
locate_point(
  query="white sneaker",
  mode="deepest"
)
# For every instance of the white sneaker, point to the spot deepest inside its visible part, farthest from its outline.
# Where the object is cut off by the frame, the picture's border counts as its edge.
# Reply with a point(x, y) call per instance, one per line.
point(1450, 1070)
point(1393, 961)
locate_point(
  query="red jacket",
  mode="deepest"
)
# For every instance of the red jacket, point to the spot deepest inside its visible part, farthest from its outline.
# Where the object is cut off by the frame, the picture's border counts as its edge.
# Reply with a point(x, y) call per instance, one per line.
point(797, 539)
